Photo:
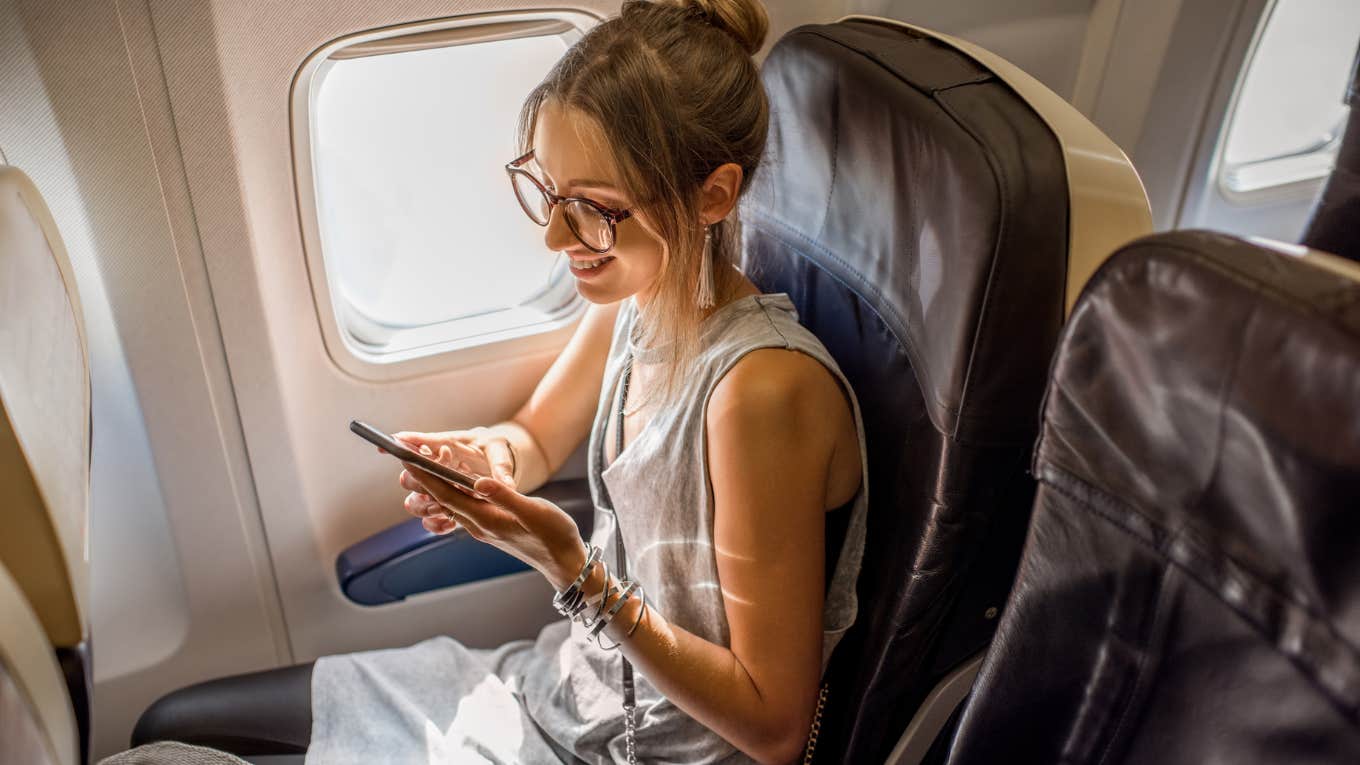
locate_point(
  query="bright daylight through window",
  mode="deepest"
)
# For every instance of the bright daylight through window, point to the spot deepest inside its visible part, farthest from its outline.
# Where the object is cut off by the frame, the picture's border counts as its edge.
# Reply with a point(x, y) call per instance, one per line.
point(424, 245)
point(1287, 125)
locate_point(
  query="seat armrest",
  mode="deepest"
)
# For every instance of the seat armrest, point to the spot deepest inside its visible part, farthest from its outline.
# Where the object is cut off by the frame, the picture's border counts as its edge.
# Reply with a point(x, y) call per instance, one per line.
point(405, 559)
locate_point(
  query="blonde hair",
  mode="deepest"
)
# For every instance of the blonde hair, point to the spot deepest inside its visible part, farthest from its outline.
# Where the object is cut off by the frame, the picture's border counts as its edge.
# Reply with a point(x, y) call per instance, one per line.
point(675, 92)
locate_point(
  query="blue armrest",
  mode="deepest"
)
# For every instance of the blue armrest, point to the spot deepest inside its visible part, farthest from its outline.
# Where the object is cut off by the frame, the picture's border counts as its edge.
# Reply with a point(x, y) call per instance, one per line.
point(405, 559)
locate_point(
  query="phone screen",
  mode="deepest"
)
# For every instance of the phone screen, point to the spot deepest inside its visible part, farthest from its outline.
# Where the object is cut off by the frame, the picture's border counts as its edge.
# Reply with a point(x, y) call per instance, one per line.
point(407, 454)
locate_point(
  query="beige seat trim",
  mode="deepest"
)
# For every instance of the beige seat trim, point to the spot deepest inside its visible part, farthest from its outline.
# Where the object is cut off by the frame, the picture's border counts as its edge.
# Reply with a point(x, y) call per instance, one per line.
point(44, 451)
point(28, 658)
point(934, 713)
point(1317, 258)
point(1108, 205)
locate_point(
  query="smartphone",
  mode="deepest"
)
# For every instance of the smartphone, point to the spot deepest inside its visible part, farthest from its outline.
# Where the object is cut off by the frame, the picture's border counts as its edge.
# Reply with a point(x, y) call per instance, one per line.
point(407, 454)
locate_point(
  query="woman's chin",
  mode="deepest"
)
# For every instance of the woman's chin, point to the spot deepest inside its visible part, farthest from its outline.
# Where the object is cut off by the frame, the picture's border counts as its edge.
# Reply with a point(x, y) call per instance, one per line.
point(602, 292)
point(598, 294)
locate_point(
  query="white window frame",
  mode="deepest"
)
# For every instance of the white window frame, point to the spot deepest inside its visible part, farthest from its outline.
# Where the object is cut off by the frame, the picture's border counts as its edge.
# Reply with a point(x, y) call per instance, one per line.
point(1309, 174)
point(428, 348)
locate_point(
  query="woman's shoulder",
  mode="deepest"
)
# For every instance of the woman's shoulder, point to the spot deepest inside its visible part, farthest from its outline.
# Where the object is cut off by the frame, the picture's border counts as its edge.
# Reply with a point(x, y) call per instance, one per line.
point(769, 321)
point(776, 362)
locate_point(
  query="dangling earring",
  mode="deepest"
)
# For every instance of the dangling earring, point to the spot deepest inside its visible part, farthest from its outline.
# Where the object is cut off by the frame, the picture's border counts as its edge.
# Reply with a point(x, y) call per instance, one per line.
point(706, 288)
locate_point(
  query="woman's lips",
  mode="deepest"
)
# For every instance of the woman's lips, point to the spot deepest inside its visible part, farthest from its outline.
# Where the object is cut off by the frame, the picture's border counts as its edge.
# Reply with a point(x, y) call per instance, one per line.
point(588, 272)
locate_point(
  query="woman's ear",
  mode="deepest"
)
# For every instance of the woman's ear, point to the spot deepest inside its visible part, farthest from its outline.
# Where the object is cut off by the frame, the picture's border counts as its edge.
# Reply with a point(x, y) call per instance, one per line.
point(718, 195)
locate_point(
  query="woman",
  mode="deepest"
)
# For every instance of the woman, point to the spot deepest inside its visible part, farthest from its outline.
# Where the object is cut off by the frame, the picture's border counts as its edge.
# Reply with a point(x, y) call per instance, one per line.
point(719, 429)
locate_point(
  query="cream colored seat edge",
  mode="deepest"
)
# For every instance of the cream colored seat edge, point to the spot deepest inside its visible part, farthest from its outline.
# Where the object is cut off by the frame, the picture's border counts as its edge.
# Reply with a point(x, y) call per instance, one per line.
point(28, 666)
point(1108, 204)
point(44, 415)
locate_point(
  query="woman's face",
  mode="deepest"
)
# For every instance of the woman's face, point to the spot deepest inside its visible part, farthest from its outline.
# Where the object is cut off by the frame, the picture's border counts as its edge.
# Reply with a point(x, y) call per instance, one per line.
point(574, 160)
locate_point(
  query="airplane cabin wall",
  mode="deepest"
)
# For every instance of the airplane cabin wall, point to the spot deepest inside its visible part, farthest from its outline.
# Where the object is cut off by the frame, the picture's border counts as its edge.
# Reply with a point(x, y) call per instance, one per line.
point(181, 582)
point(224, 479)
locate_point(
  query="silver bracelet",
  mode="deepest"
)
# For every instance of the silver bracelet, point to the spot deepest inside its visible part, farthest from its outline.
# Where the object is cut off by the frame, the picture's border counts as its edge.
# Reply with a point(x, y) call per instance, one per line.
point(570, 602)
point(600, 624)
point(609, 589)
point(636, 622)
point(641, 610)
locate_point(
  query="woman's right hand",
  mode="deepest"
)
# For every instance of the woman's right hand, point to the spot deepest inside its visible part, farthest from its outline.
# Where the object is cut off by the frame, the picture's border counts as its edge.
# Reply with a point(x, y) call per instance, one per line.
point(479, 451)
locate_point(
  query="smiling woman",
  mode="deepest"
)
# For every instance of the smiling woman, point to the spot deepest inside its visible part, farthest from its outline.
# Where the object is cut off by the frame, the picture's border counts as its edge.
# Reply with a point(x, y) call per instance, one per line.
point(726, 450)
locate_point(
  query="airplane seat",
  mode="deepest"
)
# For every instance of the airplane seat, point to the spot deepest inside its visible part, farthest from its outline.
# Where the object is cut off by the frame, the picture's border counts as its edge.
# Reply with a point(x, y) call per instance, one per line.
point(45, 431)
point(1189, 589)
point(37, 721)
point(1332, 227)
point(929, 208)
point(931, 211)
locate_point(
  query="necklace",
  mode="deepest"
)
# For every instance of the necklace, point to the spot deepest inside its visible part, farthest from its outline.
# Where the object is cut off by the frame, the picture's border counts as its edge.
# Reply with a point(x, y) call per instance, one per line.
point(628, 411)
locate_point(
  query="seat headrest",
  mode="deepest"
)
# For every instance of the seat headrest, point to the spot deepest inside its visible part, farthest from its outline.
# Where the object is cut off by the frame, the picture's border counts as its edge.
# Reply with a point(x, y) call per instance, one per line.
point(44, 414)
point(36, 717)
point(871, 174)
point(1213, 386)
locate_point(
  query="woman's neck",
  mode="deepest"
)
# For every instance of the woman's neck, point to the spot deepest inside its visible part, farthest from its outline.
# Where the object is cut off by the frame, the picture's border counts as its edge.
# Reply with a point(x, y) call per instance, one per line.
point(734, 288)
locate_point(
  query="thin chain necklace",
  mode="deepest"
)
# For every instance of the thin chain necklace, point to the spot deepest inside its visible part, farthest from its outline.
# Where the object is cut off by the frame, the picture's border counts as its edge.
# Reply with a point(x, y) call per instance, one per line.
point(628, 411)
point(629, 698)
point(634, 337)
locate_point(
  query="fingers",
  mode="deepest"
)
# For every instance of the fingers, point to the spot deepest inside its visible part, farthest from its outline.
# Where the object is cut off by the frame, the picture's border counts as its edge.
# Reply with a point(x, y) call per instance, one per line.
point(466, 457)
point(439, 525)
point(415, 439)
point(439, 518)
point(503, 495)
point(502, 463)
point(447, 494)
point(422, 505)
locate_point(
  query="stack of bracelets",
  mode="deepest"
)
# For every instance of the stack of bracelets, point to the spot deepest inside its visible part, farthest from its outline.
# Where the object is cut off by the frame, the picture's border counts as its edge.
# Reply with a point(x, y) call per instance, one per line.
point(573, 604)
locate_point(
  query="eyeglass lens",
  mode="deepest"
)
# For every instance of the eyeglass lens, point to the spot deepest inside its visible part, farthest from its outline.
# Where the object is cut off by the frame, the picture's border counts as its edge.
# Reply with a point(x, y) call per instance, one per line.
point(589, 225)
point(586, 222)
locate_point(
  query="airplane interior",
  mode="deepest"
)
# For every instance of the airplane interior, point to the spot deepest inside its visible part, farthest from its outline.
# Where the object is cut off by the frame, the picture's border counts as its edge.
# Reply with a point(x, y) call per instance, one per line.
point(1087, 272)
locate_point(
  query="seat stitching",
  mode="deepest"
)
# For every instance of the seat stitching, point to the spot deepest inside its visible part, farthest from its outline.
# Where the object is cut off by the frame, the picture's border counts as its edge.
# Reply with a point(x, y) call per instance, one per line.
point(1188, 552)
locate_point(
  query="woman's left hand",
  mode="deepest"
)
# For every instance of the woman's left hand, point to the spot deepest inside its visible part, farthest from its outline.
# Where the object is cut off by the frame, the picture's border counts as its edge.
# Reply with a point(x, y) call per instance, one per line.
point(534, 530)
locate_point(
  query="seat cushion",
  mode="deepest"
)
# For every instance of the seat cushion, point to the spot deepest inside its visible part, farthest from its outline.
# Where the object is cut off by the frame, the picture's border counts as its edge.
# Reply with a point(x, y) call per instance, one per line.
point(260, 713)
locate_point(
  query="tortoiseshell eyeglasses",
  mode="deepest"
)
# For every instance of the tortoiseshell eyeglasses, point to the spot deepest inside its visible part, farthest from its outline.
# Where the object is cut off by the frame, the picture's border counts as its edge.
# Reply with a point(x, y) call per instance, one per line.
point(591, 222)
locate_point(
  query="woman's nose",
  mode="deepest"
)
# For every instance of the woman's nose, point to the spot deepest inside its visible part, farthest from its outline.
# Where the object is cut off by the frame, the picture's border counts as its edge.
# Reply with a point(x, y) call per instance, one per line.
point(558, 236)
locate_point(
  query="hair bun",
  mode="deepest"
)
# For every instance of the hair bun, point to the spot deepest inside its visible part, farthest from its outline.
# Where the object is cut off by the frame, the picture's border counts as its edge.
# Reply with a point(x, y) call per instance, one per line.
point(745, 20)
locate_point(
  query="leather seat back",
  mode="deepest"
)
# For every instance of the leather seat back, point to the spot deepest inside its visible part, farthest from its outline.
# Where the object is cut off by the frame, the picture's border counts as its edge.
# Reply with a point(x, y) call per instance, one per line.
point(37, 726)
point(1189, 590)
point(44, 426)
point(916, 208)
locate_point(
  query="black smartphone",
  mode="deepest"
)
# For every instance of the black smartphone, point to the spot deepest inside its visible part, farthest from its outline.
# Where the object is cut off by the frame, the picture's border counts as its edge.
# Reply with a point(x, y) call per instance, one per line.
point(407, 454)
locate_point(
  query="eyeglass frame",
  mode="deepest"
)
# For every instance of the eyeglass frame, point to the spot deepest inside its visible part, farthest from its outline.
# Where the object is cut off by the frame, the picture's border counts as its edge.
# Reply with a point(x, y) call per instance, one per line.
point(611, 215)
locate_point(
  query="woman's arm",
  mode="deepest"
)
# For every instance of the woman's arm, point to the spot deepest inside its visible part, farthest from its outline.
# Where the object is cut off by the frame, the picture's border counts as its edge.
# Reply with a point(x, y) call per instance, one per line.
point(557, 417)
point(772, 423)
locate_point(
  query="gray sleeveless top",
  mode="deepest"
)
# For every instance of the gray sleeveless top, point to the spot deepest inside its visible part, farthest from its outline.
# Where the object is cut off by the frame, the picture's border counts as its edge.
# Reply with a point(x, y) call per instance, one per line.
point(660, 487)
point(558, 698)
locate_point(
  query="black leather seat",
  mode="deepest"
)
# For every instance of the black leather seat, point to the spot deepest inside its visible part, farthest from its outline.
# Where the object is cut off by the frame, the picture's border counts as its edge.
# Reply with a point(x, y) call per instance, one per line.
point(915, 209)
point(1336, 219)
point(1190, 588)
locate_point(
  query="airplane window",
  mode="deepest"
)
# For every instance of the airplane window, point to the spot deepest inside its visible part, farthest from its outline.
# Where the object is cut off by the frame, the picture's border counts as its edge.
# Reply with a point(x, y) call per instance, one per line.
point(424, 245)
point(1289, 116)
